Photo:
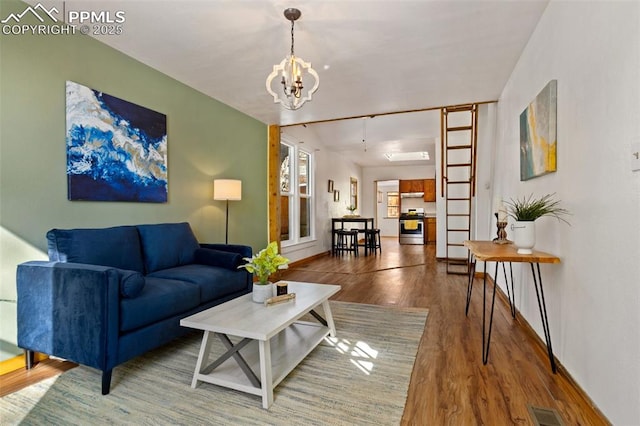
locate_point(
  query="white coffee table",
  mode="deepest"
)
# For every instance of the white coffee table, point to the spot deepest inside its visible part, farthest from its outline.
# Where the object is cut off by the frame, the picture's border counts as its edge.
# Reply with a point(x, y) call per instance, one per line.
point(273, 342)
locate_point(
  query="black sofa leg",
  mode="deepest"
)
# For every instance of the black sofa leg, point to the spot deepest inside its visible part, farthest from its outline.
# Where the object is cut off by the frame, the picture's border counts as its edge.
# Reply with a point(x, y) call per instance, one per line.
point(29, 359)
point(106, 381)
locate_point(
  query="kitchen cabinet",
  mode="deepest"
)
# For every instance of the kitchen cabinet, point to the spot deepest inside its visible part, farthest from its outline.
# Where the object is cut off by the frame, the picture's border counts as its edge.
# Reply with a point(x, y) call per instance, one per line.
point(412, 185)
point(429, 187)
point(430, 230)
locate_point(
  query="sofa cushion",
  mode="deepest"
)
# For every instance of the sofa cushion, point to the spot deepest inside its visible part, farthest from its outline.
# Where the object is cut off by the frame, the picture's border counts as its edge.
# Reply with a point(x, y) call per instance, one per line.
point(222, 259)
point(118, 247)
point(212, 281)
point(166, 245)
point(159, 299)
point(131, 283)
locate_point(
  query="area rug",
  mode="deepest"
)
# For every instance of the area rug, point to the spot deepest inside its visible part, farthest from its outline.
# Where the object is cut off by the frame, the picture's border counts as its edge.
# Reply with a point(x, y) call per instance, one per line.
point(360, 377)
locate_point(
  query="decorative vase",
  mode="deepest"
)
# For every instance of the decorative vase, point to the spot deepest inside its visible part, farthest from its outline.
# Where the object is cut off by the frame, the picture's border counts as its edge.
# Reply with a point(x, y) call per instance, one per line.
point(262, 292)
point(524, 236)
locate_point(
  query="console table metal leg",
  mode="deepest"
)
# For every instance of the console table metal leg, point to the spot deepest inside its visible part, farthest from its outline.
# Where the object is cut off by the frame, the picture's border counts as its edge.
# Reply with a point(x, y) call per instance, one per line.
point(543, 313)
point(486, 341)
point(511, 294)
point(472, 273)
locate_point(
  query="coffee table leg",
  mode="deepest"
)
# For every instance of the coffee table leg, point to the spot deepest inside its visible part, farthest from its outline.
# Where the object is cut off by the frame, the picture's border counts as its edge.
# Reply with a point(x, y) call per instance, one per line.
point(329, 318)
point(203, 356)
point(266, 376)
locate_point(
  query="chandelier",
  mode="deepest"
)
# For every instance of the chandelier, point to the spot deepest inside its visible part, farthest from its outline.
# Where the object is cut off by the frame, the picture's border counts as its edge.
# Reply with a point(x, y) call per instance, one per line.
point(293, 71)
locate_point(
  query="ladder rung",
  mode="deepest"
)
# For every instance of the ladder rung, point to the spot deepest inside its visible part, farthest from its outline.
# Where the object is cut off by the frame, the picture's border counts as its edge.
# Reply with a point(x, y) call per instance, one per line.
point(450, 182)
point(458, 229)
point(459, 147)
point(459, 165)
point(458, 260)
point(458, 128)
point(459, 214)
point(458, 199)
point(459, 108)
point(455, 245)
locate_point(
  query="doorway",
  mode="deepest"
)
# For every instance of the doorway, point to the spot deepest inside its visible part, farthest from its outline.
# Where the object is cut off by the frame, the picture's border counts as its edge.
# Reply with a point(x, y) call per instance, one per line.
point(387, 209)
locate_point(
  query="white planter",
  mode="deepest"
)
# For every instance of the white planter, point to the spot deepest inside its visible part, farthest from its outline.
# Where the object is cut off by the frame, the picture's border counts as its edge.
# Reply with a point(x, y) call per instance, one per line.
point(524, 236)
point(262, 292)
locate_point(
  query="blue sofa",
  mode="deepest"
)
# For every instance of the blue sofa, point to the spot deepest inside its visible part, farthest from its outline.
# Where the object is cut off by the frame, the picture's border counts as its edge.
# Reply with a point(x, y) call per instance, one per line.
point(108, 295)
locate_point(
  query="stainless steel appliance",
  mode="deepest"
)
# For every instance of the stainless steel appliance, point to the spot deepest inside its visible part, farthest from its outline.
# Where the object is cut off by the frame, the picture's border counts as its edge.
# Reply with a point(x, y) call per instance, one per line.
point(411, 225)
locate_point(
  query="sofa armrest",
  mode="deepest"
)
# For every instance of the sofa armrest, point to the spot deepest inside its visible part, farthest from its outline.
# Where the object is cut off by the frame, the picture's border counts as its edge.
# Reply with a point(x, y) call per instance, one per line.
point(69, 310)
point(244, 251)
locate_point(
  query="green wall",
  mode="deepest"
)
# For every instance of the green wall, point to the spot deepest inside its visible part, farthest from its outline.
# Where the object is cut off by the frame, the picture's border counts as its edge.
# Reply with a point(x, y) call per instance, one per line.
point(206, 140)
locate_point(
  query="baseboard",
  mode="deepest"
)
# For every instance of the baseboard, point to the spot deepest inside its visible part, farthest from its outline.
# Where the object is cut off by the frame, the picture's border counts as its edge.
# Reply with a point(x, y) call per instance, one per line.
point(308, 259)
point(17, 362)
point(540, 344)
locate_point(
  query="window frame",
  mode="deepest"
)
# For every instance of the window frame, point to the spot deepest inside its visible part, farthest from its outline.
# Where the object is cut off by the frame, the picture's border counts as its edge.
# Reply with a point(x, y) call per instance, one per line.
point(395, 194)
point(296, 196)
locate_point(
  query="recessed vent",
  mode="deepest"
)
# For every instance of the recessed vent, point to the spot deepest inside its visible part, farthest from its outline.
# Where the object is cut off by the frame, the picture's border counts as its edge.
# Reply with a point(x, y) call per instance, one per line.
point(545, 416)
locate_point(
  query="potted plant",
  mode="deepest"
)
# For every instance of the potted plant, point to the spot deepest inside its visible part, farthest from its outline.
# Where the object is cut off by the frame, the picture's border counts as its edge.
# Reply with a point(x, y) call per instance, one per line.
point(262, 265)
point(351, 209)
point(525, 211)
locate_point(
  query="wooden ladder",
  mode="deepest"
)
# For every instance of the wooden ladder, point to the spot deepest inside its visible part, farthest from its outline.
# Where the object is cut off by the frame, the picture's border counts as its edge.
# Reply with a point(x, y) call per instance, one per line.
point(459, 127)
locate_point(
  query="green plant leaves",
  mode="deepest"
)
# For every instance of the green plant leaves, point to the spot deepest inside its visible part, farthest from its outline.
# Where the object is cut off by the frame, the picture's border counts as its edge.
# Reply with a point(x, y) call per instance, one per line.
point(265, 262)
point(530, 209)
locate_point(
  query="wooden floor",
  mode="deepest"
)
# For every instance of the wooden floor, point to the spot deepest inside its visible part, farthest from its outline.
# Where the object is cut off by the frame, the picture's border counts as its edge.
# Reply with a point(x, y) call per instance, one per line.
point(449, 384)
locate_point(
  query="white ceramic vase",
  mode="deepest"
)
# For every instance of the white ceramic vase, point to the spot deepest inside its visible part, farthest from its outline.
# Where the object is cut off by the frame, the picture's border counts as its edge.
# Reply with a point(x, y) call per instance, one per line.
point(524, 236)
point(262, 292)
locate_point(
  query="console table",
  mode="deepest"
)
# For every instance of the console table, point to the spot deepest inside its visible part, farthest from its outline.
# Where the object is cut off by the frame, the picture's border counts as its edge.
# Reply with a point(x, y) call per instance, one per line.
point(487, 251)
point(342, 220)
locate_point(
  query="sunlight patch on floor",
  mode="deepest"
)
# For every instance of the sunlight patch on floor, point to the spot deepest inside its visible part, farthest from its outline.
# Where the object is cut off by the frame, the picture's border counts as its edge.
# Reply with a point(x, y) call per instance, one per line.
point(361, 353)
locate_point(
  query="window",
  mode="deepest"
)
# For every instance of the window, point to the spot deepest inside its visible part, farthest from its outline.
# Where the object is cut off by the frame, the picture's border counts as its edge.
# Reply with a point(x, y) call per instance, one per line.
point(296, 194)
point(393, 204)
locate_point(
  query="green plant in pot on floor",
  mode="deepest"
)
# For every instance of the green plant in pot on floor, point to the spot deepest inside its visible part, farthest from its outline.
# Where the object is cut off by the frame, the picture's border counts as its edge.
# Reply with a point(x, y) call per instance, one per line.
point(525, 211)
point(262, 265)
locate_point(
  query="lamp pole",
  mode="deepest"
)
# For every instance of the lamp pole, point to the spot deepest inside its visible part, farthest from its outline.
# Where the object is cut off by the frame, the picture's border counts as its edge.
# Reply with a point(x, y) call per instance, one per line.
point(227, 189)
point(226, 230)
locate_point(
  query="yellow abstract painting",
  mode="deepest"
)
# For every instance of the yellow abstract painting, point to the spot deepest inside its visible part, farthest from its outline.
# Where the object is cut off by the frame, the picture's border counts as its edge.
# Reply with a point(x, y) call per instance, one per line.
point(538, 142)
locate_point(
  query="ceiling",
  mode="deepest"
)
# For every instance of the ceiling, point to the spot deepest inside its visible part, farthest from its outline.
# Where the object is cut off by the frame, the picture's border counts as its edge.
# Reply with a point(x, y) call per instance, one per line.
point(372, 56)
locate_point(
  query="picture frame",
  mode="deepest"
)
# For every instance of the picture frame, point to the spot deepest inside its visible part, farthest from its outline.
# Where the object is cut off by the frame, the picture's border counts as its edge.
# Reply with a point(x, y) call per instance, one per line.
point(102, 167)
point(538, 134)
point(330, 186)
point(336, 195)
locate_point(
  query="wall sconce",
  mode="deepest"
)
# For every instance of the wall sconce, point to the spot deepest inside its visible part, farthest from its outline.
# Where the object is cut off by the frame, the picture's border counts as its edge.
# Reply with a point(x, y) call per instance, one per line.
point(227, 189)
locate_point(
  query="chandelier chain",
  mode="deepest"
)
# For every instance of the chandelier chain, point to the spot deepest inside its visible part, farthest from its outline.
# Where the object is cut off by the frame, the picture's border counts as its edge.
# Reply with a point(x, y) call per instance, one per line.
point(292, 23)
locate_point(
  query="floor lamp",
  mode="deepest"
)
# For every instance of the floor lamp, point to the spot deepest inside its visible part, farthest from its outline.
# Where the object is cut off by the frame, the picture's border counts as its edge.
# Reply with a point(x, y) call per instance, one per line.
point(227, 189)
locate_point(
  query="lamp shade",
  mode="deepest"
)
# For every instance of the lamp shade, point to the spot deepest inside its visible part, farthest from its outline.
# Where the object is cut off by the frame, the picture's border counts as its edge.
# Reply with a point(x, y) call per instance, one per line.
point(227, 189)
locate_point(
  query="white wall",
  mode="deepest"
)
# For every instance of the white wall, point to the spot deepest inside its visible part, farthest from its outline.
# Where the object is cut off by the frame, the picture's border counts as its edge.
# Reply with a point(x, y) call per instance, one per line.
point(593, 296)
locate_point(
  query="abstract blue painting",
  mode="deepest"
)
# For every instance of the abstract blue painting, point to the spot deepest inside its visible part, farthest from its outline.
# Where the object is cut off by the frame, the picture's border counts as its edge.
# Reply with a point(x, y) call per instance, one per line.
point(116, 150)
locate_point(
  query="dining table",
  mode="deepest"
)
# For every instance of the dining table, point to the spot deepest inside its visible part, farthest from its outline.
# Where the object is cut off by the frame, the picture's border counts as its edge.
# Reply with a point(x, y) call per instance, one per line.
point(339, 222)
